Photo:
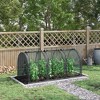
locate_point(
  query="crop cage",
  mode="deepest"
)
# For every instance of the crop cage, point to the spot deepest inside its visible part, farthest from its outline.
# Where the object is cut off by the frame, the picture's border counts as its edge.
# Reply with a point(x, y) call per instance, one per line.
point(33, 66)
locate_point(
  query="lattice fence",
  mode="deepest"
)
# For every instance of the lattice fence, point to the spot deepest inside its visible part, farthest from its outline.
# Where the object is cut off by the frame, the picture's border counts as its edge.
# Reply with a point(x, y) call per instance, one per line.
point(64, 38)
point(51, 38)
point(94, 37)
point(12, 43)
point(11, 40)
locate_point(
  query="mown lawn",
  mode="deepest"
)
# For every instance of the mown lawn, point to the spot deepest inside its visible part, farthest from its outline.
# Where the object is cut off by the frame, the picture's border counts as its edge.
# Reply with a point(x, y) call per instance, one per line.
point(10, 90)
point(93, 83)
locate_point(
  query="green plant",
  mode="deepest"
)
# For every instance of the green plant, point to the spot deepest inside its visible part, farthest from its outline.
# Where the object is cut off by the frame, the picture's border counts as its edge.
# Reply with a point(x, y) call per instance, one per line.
point(60, 66)
point(70, 63)
point(33, 71)
point(42, 68)
point(53, 65)
point(56, 67)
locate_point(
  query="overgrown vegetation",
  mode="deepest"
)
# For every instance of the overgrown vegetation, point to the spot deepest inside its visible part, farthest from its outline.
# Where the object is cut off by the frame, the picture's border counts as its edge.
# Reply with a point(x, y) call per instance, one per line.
point(93, 83)
point(10, 90)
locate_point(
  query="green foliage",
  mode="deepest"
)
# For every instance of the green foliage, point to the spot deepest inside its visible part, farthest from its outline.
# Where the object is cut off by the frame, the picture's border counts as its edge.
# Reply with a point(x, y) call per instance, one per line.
point(70, 67)
point(9, 14)
point(39, 70)
point(42, 68)
point(53, 69)
point(56, 67)
point(87, 13)
point(33, 71)
point(49, 14)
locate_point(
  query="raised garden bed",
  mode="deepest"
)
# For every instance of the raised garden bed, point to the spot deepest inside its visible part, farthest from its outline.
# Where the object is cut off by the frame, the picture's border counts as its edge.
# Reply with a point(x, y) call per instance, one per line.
point(24, 79)
point(36, 66)
point(68, 80)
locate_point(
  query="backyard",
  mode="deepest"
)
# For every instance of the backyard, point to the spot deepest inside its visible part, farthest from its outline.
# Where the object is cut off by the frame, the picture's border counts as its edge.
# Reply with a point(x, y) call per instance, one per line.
point(10, 90)
point(43, 40)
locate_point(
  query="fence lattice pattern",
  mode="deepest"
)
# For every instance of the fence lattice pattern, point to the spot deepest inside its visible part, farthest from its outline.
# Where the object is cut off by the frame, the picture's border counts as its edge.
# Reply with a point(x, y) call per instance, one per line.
point(64, 38)
point(19, 40)
point(94, 37)
point(51, 38)
point(12, 43)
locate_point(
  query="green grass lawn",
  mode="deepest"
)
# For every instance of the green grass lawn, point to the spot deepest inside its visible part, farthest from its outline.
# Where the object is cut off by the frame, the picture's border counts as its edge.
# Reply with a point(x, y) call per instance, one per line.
point(93, 83)
point(10, 90)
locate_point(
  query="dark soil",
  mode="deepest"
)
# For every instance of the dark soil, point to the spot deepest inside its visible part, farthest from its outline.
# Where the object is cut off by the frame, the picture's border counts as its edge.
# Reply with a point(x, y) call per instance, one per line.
point(23, 79)
point(26, 80)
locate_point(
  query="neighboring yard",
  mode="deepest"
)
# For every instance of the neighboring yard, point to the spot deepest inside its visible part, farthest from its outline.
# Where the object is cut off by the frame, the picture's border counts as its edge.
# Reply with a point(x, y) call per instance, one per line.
point(10, 90)
point(93, 83)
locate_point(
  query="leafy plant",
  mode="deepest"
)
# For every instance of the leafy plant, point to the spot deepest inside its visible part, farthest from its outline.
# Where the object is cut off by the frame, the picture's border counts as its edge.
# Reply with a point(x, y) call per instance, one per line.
point(60, 66)
point(42, 68)
point(33, 71)
point(56, 67)
point(70, 63)
point(53, 67)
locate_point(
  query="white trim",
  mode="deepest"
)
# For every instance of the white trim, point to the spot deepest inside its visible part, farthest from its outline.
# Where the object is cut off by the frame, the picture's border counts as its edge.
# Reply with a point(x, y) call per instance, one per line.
point(51, 82)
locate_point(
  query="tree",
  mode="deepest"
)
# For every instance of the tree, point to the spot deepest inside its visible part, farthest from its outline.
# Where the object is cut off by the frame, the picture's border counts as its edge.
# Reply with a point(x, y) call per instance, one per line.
point(49, 14)
point(9, 15)
point(87, 12)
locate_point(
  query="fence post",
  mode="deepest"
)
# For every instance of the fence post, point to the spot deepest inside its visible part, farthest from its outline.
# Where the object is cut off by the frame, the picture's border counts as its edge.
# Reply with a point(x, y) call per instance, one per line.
point(73, 36)
point(87, 40)
point(41, 39)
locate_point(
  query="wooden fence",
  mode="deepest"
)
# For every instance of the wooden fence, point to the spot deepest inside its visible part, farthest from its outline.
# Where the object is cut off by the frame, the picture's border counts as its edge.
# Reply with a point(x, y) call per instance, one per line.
point(12, 43)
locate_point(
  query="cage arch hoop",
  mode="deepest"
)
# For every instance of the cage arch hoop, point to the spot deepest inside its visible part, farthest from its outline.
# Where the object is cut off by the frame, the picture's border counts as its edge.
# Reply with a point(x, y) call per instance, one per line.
point(60, 52)
point(45, 57)
point(56, 55)
point(78, 58)
point(22, 65)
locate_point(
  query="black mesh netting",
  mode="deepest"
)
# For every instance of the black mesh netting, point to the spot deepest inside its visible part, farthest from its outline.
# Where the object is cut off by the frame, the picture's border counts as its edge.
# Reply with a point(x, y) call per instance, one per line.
point(49, 64)
point(73, 62)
